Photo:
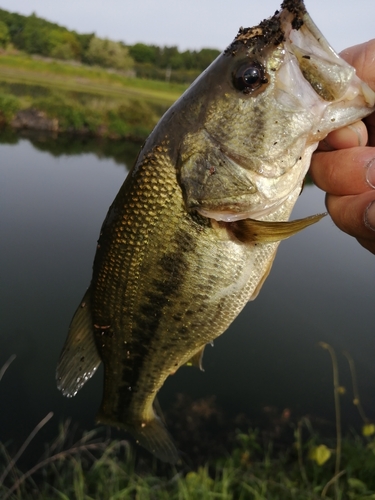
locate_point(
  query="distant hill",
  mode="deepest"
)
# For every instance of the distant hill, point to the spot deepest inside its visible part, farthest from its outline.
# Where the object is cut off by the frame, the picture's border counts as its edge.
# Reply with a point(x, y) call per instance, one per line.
point(35, 35)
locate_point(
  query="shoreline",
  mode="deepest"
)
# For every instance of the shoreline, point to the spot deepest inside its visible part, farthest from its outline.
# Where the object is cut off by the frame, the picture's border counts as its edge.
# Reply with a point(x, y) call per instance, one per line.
point(36, 120)
point(61, 98)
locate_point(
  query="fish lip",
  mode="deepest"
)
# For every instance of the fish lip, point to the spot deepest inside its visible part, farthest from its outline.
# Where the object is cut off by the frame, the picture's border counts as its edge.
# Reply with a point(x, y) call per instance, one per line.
point(318, 35)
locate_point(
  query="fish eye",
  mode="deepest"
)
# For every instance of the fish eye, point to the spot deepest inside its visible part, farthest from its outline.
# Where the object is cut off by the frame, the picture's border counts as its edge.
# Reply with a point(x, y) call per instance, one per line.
point(249, 77)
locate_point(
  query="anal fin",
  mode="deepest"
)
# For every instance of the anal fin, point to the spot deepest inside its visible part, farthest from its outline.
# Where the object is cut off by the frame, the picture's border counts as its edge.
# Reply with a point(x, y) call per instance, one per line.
point(79, 358)
point(196, 359)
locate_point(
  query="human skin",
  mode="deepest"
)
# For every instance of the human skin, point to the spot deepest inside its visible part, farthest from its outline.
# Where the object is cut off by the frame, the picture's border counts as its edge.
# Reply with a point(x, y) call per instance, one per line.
point(344, 163)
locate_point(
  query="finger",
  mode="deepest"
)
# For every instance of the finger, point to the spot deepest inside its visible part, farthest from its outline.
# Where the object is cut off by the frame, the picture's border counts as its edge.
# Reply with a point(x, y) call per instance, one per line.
point(344, 172)
point(346, 137)
point(362, 58)
point(370, 124)
point(368, 244)
point(354, 215)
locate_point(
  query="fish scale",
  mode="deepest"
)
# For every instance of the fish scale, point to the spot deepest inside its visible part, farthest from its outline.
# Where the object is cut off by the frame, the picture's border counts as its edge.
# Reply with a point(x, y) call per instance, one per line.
point(177, 276)
point(192, 234)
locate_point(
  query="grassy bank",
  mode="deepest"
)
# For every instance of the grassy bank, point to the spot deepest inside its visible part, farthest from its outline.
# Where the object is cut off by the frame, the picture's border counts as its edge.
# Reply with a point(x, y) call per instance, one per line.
point(92, 468)
point(80, 99)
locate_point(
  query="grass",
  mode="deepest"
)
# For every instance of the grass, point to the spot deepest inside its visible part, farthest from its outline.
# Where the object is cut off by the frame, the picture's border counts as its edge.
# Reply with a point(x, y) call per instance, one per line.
point(58, 74)
point(102, 469)
point(82, 99)
point(96, 467)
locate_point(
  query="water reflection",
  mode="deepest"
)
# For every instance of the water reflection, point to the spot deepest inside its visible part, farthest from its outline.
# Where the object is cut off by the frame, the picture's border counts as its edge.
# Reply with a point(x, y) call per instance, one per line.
point(122, 152)
point(54, 196)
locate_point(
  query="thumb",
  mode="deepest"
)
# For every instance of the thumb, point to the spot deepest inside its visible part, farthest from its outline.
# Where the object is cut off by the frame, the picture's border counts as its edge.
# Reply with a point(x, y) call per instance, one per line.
point(362, 57)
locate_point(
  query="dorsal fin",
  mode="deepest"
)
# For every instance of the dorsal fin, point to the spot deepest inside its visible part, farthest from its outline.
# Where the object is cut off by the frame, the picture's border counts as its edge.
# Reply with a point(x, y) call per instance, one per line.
point(79, 358)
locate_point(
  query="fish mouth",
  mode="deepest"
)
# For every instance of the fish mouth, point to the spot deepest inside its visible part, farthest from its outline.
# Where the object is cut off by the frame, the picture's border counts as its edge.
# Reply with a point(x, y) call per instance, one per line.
point(331, 78)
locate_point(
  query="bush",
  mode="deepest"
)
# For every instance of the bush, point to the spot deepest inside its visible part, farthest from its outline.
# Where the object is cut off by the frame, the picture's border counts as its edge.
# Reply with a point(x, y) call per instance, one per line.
point(63, 45)
point(108, 54)
point(136, 118)
point(71, 115)
point(4, 35)
point(9, 105)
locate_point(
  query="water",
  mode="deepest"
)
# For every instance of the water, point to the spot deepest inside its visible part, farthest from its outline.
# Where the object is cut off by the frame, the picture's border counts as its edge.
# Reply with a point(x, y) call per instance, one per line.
point(52, 205)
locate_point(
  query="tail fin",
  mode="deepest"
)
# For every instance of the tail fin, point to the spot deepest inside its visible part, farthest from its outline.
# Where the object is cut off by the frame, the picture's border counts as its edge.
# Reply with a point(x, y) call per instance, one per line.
point(151, 434)
point(154, 436)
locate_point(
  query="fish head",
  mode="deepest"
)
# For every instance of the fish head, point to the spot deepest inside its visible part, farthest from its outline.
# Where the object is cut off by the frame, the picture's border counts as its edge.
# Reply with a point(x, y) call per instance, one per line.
point(260, 110)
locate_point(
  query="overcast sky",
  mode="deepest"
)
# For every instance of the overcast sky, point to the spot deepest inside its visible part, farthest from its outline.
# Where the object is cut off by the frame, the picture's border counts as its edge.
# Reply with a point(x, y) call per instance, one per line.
point(193, 24)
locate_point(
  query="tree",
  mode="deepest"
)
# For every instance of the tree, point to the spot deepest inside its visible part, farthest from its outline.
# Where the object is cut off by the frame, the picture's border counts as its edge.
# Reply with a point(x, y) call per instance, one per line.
point(142, 53)
point(84, 42)
point(63, 45)
point(35, 36)
point(4, 35)
point(108, 54)
point(15, 23)
point(205, 58)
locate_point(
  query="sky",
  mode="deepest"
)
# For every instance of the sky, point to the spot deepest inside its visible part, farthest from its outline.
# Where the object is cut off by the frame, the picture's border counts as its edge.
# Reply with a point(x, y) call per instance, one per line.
point(194, 24)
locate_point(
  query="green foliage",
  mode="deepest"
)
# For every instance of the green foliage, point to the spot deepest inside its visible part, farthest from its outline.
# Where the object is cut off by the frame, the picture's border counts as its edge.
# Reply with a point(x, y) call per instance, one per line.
point(9, 105)
point(64, 45)
point(152, 62)
point(107, 470)
point(88, 115)
point(98, 102)
point(4, 34)
point(71, 116)
point(152, 72)
point(38, 36)
point(142, 53)
point(108, 54)
point(84, 40)
point(134, 118)
point(122, 152)
point(205, 57)
point(14, 22)
point(35, 35)
point(34, 38)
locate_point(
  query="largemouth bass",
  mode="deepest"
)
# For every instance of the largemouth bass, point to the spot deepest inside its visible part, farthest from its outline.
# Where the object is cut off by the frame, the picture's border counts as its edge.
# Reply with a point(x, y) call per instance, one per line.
point(193, 231)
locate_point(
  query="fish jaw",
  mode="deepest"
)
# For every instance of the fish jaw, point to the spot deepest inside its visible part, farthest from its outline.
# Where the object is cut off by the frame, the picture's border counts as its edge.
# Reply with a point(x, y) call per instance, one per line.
point(344, 97)
point(255, 147)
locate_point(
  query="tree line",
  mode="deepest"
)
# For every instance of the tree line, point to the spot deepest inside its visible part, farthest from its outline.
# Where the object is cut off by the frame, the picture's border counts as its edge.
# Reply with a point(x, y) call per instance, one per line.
point(35, 35)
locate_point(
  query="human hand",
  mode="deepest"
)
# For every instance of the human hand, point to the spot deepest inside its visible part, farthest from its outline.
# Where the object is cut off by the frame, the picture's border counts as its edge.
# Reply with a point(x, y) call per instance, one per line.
point(344, 163)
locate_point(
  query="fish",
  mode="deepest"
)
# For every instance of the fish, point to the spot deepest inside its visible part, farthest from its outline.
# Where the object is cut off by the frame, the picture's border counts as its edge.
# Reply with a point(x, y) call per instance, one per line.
point(192, 234)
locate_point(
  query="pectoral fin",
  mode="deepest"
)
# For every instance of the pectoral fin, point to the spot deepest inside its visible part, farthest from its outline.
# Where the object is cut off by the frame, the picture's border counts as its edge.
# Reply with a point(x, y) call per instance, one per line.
point(255, 231)
point(79, 358)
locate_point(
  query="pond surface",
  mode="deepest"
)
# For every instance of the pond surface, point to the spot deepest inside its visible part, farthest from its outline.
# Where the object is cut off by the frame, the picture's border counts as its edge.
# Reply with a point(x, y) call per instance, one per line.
point(321, 288)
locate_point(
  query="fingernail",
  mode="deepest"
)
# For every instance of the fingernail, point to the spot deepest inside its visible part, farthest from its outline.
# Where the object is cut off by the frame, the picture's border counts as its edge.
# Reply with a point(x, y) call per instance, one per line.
point(370, 173)
point(370, 216)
